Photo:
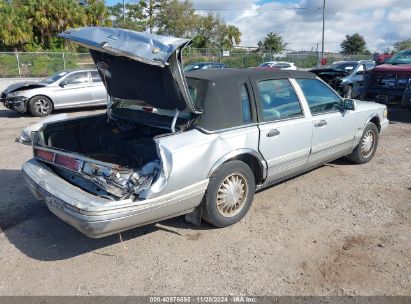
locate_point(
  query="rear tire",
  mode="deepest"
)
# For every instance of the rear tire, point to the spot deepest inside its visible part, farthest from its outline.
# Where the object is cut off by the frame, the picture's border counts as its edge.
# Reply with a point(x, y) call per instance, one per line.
point(229, 194)
point(40, 106)
point(366, 148)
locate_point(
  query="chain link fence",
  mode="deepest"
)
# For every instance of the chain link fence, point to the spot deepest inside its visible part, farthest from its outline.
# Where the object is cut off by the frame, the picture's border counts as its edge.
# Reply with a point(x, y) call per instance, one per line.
point(42, 64)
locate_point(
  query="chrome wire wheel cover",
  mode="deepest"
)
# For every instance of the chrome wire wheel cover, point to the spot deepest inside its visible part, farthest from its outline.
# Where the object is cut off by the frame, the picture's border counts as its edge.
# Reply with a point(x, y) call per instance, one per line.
point(42, 106)
point(367, 143)
point(232, 194)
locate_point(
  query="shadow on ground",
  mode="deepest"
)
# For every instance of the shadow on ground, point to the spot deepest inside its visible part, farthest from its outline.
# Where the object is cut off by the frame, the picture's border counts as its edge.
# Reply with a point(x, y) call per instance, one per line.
point(36, 232)
point(6, 113)
point(399, 115)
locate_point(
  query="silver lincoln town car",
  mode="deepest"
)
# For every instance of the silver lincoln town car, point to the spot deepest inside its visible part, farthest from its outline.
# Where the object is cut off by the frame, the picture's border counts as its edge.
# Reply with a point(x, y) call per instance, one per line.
point(198, 144)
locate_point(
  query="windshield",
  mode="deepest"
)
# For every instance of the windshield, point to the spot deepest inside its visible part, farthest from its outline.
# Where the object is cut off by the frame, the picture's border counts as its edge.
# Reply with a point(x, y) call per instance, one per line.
point(54, 78)
point(346, 66)
point(403, 57)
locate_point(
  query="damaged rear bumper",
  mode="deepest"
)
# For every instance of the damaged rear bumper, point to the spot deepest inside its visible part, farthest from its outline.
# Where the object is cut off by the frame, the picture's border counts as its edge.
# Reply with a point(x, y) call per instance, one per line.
point(98, 217)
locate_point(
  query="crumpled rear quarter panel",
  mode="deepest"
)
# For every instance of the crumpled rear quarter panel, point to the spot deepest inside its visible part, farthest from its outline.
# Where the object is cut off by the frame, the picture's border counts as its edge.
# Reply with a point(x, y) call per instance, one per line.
point(188, 157)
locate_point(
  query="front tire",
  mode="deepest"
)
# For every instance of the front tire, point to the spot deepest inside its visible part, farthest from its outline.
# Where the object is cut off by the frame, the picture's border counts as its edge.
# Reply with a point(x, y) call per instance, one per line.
point(229, 194)
point(366, 148)
point(40, 106)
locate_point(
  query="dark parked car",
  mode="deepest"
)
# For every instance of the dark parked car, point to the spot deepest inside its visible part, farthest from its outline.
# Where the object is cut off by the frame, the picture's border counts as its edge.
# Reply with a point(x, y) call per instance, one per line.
point(347, 77)
point(203, 66)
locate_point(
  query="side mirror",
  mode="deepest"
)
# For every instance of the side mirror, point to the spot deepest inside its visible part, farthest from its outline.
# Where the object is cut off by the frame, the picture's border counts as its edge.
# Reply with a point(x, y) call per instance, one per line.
point(63, 83)
point(360, 73)
point(349, 104)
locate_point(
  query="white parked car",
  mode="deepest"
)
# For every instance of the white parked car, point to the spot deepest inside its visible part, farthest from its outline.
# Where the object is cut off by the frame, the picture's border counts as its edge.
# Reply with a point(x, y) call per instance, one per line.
point(282, 65)
point(267, 64)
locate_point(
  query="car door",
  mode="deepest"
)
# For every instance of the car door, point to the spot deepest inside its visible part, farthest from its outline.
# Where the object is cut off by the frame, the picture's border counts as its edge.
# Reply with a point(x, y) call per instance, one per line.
point(98, 90)
point(73, 90)
point(333, 129)
point(285, 128)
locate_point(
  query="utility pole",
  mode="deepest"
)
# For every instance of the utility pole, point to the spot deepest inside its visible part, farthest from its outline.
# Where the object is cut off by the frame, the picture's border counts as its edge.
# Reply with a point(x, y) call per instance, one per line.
point(322, 42)
point(124, 14)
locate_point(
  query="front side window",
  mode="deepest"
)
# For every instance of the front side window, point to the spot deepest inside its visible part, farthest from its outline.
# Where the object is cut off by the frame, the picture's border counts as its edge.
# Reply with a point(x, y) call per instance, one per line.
point(278, 100)
point(77, 78)
point(320, 98)
point(245, 103)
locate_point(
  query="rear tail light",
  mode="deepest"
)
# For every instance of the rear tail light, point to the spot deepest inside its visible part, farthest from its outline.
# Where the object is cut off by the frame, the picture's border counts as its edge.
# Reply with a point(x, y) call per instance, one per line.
point(67, 162)
point(58, 159)
point(44, 155)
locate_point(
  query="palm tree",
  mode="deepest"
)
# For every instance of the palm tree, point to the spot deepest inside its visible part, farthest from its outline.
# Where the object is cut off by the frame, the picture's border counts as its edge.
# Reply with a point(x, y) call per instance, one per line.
point(233, 35)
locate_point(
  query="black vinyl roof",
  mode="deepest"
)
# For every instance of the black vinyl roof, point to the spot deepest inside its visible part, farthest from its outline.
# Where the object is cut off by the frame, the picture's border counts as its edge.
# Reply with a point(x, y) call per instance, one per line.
point(218, 93)
point(217, 75)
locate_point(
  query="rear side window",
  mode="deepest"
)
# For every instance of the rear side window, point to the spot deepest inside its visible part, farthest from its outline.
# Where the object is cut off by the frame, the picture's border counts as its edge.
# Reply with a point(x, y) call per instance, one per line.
point(320, 98)
point(278, 100)
point(245, 103)
point(95, 76)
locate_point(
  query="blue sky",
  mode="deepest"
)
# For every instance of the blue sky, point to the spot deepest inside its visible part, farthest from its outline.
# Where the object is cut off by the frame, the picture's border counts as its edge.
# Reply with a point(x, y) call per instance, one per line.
point(381, 22)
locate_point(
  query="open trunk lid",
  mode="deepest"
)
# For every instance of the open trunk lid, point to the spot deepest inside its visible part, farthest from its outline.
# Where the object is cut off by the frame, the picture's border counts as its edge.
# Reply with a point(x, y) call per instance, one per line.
point(138, 66)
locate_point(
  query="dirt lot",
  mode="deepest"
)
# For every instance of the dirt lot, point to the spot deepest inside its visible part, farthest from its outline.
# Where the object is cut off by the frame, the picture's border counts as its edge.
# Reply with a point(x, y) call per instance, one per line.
point(340, 229)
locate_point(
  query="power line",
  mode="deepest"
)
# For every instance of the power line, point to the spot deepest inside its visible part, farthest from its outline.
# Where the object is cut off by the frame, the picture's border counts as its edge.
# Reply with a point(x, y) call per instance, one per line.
point(256, 9)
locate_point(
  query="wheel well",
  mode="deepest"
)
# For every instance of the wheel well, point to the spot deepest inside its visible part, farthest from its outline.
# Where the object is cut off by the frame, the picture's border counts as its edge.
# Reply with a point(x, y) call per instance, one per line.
point(376, 121)
point(254, 163)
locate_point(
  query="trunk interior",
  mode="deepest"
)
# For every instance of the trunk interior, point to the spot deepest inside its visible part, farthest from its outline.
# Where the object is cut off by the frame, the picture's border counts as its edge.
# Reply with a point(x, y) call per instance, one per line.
point(125, 144)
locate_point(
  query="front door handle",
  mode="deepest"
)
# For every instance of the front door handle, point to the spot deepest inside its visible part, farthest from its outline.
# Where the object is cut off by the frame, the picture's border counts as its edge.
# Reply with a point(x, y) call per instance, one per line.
point(321, 123)
point(273, 132)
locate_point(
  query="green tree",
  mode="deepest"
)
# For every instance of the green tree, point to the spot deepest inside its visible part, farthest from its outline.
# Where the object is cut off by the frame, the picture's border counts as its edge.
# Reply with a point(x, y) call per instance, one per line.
point(97, 13)
point(177, 18)
point(402, 45)
point(233, 36)
point(15, 30)
point(152, 8)
point(134, 17)
point(273, 42)
point(34, 24)
point(353, 45)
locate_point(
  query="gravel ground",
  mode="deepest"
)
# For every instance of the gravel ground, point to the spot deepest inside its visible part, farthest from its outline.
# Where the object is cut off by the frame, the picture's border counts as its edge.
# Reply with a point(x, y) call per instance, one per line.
point(341, 229)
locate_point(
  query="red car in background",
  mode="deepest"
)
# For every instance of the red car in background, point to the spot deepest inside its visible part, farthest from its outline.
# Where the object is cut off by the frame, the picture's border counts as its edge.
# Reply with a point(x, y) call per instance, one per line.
point(390, 83)
point(381, 58)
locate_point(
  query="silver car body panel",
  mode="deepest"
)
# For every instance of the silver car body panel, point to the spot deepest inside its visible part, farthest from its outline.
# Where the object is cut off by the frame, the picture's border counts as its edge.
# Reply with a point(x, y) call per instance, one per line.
point(98, 217)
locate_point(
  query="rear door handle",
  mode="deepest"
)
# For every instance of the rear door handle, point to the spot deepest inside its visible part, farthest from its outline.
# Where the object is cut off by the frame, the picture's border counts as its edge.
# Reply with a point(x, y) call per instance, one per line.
point(273, 132)
point(321, 123)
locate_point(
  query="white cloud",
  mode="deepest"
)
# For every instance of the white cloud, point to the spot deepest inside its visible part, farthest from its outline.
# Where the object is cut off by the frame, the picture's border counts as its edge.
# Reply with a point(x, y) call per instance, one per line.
point(381, 22)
